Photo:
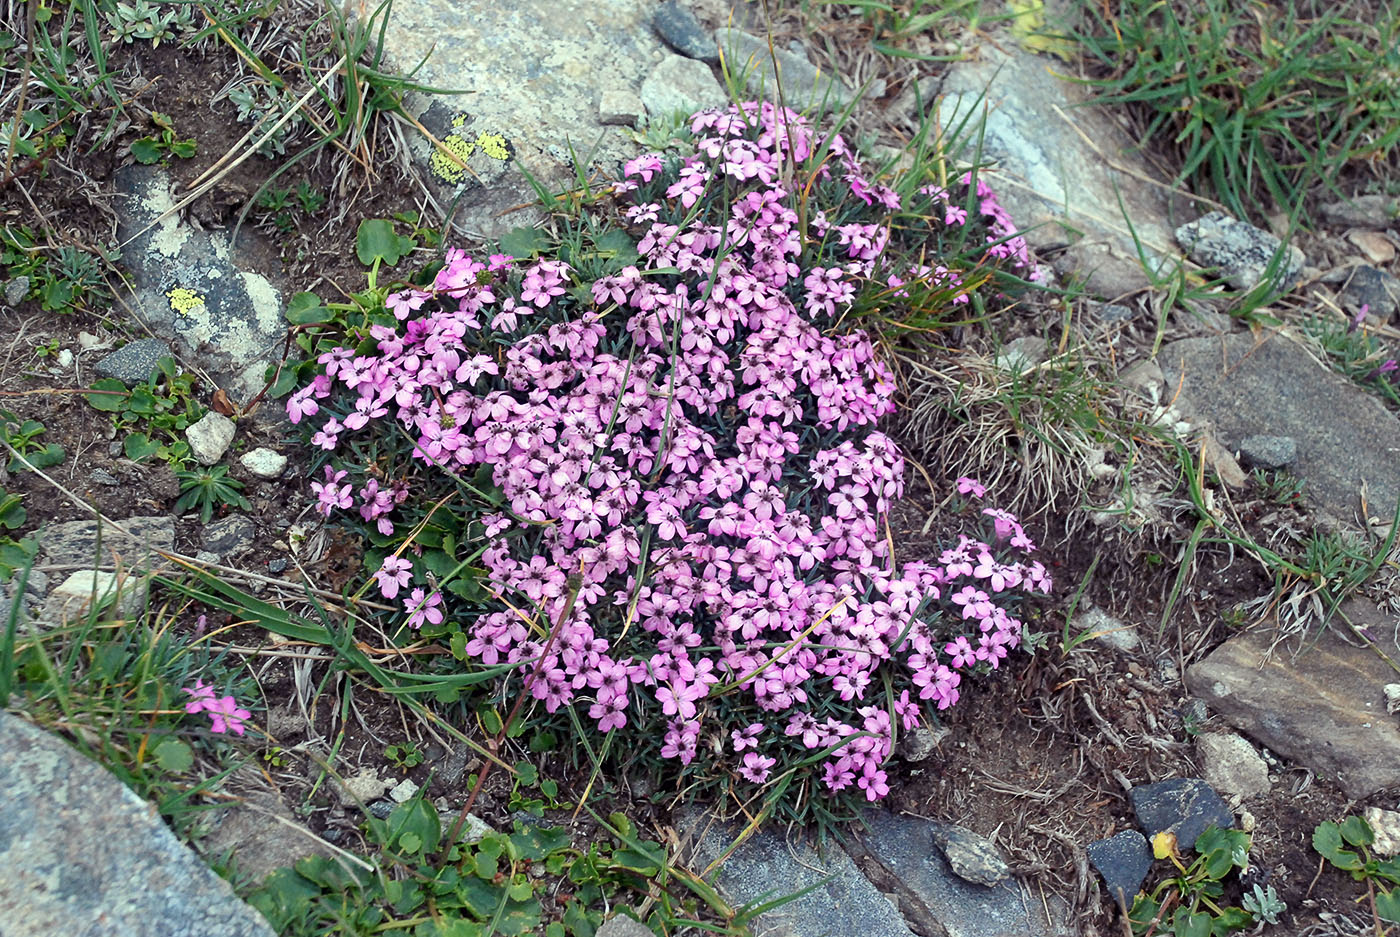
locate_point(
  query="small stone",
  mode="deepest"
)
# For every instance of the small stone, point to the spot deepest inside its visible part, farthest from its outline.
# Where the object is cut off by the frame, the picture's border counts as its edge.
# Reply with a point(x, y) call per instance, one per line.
point(208, 558)
point(277, 565)
point(64, 358)
point(1112, 312)
point(921, 742)
point(1194, 714)
point(1231, 765)
point(381, 809)
point(623, 926)
point(971, 857)
point(1366, 285)
point(1386, 825)
point(619, 107)
point(473, 827)
point(364, 788)
point(1392, 697)
point(680, 30)
point(1364, 211)
point(1184, 806)
point(1021, 354)
point(103, 477)
point(114, 449)
point(1123, 861)
point(77, 594)
point(89, 342)
point(679, 84)
point(1240, 251)
point(264, 462)
point(1269, 452)
point(16, 290)
point(229, 534)
point(210, 438)
point(1106, 629)
point(403, 791)
point(134, 362)
point(1167, 672)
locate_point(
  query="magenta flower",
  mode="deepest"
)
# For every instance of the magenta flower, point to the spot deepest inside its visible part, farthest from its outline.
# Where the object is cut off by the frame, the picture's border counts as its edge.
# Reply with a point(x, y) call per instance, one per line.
point(223, 712)
point(394, 573)
point(757, 767)
point(423, 609)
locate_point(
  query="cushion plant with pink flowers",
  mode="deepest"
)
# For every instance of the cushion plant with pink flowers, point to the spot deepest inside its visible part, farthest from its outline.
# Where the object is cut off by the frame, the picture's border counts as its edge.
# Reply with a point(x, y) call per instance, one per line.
point(644, 475)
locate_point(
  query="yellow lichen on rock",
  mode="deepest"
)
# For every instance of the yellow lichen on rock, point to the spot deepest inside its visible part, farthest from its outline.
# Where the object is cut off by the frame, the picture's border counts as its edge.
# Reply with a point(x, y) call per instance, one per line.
point(448, 159)
point(184, 301)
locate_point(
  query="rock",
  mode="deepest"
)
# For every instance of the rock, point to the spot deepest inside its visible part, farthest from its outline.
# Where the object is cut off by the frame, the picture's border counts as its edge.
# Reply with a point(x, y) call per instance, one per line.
point(277, 564)
point(229, 534)
point(210, 438)
point(264, 463)
point(1021, 354)
point(1377, 247)
point(194, 288)
point(1391, 692)
point(262, 836)
point(680, 30)
point(537, 70)
point(81, 853)
point(1369, 286)
point(1061, 190)
point(16, 290)
point(403, 791)
point(1184, 806)
point(623, 926)
point(364, 788)
point(680, 85)
point(64, 359)
point(842, 901)
point(971, 857)
point(900, 846)
point(1364, 211)
point(76, 542)
point(1269, 452)
point(87, 589)
point(473, 827)
point(1106, 629)
point(104, 478)
point(1386, 825)
point(921, 742)
point(1269, 385)
point(1240, 251)
point(620, 107)
point(1321, 710)
point(1123, 861)
point(134, 362)
point(1231, 765)
point(804, 86)
point(1111, 313)
point(381, 809)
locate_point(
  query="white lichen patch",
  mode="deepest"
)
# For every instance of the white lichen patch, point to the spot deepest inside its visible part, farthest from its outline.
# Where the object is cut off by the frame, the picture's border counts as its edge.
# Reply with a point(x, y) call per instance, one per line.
point(170, 235)
point(267, 304)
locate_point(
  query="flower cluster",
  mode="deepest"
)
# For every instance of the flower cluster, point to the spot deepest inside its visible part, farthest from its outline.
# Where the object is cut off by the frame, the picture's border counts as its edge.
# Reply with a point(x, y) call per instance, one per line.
point(687, 534)
point(223, 711)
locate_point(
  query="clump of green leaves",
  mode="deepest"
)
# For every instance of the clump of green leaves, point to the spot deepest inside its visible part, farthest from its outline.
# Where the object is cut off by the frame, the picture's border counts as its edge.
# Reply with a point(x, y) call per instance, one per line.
point(1189, 903)
point(1348, 846)
point(154, 414)
point(62, 278)
point(151, 149)
point(207, 489)
point(1259, 105)
point(14, 554)
point(152, 22)
point(403, 755)
point(23, 436)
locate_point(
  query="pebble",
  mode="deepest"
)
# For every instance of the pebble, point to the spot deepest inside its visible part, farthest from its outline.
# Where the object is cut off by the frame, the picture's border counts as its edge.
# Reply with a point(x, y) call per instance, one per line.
point(971, 857)
point(228, 534)
point(16, 290)
point(277, 565)
point(1123, 861)
point(921, 742)
point(1240, 251)
point(1386, 825)
point(381, 809)
point(210, 438)
point(403, 791)
point(1231, 764)
point(264, 462)
point(1269, 452)
point(133, 362)
point(364, 788)
point(680, 30)
point(104, 477)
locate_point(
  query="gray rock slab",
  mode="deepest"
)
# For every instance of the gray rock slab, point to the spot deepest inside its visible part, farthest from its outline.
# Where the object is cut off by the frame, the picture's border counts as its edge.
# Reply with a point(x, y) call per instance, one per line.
point(192, 287)
point(680, 30)
point(804, 85)
point(1061, 191)
point(1241, 252)
point(1364, 211)
point(83, 856)
point(133, 362)
point(766, 866)
point(534, 72)
point(1184, 806)
point(1250, 385)
point(623, 926)
point(229, 534)
point(1123, 861)
point(905, 846)
point(1324, 709)
point(76, 542)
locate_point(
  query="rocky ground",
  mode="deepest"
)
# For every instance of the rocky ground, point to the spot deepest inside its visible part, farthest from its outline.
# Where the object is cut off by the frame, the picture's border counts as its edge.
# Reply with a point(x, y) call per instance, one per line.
point(1205, 687)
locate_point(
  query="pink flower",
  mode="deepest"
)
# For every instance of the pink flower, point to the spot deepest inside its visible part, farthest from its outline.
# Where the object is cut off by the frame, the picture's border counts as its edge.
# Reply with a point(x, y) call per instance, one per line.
point(971, 486)
point(223, 712)
point(393, 574)
point(756, 767)
point(423, 609)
